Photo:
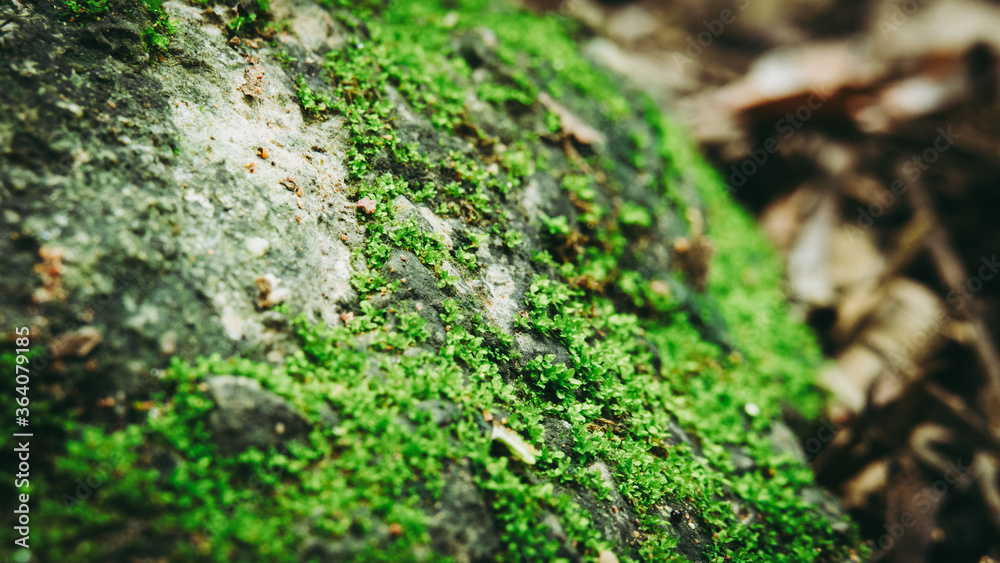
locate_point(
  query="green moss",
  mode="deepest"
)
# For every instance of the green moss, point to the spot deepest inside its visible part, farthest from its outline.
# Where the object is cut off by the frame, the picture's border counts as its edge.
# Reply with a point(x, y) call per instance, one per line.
point(555, 226)
point(89, 8)
point(312, 102)
point(250, 17)
point(633, 214)
point(148, 14)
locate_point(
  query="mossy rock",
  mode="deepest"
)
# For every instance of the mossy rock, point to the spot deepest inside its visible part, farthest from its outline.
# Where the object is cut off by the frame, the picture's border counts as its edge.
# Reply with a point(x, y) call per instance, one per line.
point(471, 298)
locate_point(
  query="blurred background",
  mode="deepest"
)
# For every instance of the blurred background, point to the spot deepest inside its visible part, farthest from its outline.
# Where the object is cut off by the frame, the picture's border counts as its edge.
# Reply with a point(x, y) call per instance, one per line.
point(865, 137)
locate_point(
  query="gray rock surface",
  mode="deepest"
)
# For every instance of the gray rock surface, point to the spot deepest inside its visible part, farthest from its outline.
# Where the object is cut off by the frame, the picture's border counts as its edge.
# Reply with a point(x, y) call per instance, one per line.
point(246, 415)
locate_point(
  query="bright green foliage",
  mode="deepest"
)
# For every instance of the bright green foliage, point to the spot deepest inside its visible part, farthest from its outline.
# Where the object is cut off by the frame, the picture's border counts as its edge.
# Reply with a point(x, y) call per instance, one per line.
point(555, 226)
point(311, 101)
point(156, 35)
point(580, 186)
point(150, 14)
point(92, 8)
point(633, 214)
point(428, 248)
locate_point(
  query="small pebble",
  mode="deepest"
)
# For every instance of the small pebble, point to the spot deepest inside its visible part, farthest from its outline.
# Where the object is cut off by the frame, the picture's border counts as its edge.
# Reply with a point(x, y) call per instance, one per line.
point(367, 205)
point(676, 515)
point(257, 246)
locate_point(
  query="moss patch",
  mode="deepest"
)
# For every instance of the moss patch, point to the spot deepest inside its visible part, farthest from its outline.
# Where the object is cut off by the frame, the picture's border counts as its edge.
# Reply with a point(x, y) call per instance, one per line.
point(149, 15)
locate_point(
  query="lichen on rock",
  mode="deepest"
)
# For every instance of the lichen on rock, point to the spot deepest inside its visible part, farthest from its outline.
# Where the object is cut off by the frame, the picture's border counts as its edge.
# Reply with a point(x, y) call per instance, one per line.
point(490, 343)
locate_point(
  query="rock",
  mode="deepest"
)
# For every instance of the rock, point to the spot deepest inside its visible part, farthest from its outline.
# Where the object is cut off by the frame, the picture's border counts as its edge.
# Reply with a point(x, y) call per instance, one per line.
point(253, 81)
point(442, 413)
point(121, 39)
point(367, 205)
point(328, 416)
point(269, 294)
point(447, 375)
point(248, 416)
point(462, 526)
point(257, 246)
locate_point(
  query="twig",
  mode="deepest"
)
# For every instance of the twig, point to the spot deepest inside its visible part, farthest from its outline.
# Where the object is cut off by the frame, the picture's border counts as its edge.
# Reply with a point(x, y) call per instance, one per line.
point(952, 273)
point(970, 420)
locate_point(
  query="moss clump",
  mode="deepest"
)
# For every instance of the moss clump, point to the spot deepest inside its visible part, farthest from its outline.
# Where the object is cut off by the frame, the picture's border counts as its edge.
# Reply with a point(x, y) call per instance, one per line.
point(250, 17)
point(631, 395)
point(149, 15)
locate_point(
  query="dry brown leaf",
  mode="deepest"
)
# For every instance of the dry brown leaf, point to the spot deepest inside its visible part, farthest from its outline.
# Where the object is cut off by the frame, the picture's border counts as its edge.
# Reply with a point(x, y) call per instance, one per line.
point(77, 343)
